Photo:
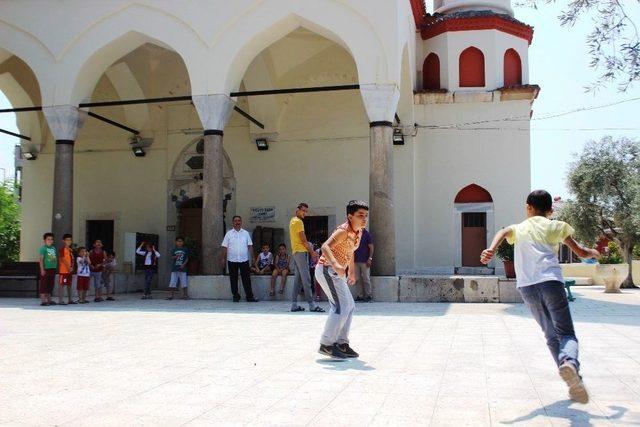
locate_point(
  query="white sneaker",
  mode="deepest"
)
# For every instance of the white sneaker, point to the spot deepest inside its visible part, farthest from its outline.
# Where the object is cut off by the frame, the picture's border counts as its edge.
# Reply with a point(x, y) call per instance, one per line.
point(577, 390)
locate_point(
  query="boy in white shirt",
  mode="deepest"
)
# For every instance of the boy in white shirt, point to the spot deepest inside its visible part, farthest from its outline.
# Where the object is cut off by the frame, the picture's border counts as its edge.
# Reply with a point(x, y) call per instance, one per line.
point(264, 261)
point(151, 256)
point(540, 282)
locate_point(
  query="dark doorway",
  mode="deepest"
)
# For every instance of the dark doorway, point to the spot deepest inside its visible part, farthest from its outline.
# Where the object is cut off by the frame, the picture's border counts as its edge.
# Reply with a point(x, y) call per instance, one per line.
point(474, 238)
point(190, 228)
point(100, 229)
point(316, 228)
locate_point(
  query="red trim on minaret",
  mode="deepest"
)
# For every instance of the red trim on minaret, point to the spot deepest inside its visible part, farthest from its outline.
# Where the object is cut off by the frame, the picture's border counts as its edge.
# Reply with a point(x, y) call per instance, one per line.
point(429, 30)
point(419, 11)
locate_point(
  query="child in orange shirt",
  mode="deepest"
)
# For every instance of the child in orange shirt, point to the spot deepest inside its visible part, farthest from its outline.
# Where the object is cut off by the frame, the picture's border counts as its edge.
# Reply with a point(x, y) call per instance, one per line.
point(65, 270)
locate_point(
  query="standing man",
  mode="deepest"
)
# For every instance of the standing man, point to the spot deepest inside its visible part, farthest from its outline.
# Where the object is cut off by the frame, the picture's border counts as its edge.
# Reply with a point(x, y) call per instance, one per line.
point(301, 250)
point(237, 250)
point(362, 266)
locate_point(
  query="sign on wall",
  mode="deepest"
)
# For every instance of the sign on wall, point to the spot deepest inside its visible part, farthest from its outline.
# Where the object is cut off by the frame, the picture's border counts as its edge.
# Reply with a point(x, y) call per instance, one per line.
point(263, 214)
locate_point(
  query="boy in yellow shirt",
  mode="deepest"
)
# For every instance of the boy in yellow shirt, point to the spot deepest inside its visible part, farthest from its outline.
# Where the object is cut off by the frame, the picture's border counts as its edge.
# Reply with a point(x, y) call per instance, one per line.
point(540, 282)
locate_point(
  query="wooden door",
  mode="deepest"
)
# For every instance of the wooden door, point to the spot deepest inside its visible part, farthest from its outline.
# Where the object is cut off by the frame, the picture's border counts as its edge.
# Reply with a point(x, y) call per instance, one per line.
point(474, 238)
point(190, 227)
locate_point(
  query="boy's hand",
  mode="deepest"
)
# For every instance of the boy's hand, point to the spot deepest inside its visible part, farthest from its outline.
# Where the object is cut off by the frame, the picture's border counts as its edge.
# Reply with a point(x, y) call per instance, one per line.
point(42, 272)
point(486, 256)
point(340, 270)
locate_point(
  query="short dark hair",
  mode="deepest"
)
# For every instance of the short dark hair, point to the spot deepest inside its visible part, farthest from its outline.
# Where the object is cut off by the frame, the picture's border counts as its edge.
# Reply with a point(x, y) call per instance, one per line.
point(266, 244)
point(81, 248)
point(282, 245)
point(67, 236)
point(540, 200)
point(303, 205)
point(45, 235)
point(112, 253)
point(179, 238)
point(96, 240)
point(236, 216)
point(354, 205)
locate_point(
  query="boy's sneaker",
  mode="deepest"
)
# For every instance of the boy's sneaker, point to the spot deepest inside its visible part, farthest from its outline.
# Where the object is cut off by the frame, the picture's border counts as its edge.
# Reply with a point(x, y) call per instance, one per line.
point(359, 299)
point(332, 351)
point(577, 390)
point(111, 299)
point(347, 350)
point(368, 299)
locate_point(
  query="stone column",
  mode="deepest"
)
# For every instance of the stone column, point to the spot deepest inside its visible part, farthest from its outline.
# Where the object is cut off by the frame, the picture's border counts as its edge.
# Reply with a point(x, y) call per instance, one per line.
point(381, 102)
point(64, 122)
point(214, 112)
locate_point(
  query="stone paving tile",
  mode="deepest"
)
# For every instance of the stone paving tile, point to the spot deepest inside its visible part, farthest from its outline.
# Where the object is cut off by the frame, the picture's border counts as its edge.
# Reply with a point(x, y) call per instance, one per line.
point(166, 363)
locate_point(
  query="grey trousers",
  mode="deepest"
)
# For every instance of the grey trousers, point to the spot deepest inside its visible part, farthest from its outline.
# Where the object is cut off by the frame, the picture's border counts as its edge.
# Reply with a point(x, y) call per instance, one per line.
point(302, 279)
point(336, 329)
point(363, 278)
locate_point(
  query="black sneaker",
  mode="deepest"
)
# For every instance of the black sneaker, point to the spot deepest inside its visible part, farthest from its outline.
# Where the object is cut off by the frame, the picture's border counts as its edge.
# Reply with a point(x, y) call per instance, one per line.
point(367, 299)
point(236, 299)
point(332, 351)
point(344, 348)
point(359, 299)
point(253, 300)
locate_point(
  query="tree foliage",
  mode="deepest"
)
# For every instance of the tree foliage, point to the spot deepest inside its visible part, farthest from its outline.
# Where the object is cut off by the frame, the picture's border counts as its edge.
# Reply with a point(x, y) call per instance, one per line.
point(9, 224)
point(605, 183)
point(614, 41)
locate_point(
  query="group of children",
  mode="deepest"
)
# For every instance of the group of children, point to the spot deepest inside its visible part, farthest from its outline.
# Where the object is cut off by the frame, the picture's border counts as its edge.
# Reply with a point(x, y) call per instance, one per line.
point(96, 265)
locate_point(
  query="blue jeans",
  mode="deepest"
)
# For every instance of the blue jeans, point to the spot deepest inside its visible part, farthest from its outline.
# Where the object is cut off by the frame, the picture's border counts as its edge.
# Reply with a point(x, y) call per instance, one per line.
point(549, 306)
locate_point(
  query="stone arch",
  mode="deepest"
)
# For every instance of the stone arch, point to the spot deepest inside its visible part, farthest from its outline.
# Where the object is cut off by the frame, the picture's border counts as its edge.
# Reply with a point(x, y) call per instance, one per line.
point(471, 68)
point(236, 46)
point(82, 64)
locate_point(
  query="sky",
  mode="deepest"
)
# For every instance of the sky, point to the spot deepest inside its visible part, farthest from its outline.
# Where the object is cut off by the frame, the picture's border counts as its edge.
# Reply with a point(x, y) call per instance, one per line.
point(559, 63)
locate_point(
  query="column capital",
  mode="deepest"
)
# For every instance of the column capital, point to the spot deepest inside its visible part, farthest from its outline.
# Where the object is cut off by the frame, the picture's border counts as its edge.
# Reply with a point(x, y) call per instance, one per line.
point(380, 101)
point(214, 110)
point(64, 121)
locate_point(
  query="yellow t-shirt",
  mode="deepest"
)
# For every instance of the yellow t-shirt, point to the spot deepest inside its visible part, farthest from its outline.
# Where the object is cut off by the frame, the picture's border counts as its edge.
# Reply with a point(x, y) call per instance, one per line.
point(295, 227)
point(537, 241)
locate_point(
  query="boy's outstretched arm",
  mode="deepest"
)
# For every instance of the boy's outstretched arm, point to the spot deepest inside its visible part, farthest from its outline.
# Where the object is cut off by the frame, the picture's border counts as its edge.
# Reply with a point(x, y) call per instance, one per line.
point(580, 250)
point(488, 253)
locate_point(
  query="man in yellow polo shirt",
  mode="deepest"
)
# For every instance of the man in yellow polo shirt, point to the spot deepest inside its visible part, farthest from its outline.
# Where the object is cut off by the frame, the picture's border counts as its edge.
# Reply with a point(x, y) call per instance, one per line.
point(301, 250)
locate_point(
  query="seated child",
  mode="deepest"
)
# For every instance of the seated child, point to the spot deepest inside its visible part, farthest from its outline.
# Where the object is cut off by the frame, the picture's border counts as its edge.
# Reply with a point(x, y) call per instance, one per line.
point(264, 261)
point(280, 269)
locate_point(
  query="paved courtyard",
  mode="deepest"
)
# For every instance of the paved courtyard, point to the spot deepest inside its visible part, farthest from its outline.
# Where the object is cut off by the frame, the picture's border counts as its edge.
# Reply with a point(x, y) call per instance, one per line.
point(166, 363)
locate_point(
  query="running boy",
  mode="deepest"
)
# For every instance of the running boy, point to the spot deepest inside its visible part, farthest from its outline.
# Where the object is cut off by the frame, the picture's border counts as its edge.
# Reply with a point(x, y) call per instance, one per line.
point(48, 262)
point(178, 268)
point(65, 270)
point(539, 279)
point(334, 271)
point(83, 263)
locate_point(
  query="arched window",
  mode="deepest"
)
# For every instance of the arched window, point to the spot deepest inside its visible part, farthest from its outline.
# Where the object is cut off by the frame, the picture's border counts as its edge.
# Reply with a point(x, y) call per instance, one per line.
point(473, 193)
point(471, 67)
point(512, 68)
point(431, 72)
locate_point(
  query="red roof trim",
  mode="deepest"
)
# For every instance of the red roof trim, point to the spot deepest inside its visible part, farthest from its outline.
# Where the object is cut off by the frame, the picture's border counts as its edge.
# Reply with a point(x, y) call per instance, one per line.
point(478, 23)
point(419, 11)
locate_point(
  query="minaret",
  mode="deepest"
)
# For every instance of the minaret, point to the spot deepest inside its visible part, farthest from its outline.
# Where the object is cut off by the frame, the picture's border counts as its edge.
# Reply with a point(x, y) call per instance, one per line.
point(474, 46)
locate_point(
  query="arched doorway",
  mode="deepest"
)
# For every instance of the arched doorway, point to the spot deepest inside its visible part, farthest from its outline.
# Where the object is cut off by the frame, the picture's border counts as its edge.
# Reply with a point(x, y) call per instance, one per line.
point(185, 198)
point(473, 210)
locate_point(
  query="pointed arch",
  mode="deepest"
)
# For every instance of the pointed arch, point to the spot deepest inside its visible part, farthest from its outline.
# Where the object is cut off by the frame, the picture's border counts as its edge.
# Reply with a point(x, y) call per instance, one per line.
point(473, 193)
point(431, 72)
point(471, 68)
point(512, 68)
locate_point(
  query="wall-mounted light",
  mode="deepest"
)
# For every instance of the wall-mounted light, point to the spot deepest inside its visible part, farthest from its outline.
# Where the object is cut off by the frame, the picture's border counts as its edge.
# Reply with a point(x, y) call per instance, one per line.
point(29, 156)
point(398, 137)
point(138, 151)
point(262, 144)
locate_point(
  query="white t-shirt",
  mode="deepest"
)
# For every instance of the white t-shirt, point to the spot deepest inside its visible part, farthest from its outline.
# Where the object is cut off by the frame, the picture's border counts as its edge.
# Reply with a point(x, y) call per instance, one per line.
point(83, 266)
point(537, 241)
point(148, 259)
point(265, 260)
point(237, 243)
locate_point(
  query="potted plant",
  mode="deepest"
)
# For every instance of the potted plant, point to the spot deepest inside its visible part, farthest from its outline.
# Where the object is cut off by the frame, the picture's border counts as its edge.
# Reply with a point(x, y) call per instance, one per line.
point(612, 270)
point(505, 253)
point(193, 267)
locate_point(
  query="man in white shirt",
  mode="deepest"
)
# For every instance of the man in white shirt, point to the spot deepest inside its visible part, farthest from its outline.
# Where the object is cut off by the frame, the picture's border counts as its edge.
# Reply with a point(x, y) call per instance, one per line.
point(237, 250)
